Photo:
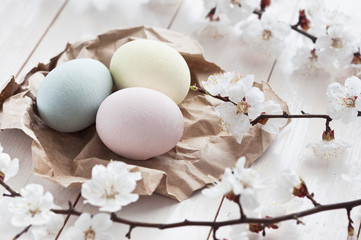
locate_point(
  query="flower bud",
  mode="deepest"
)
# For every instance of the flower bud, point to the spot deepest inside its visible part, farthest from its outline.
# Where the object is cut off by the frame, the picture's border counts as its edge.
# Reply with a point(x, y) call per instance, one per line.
point(210, 15)
point(356, 58)
point(328, 135)
point(265, 3)
point(232, 197)
point(350, 230)
point(273, 225)
point(300, 190)
point(255, 227)
point(305, 24)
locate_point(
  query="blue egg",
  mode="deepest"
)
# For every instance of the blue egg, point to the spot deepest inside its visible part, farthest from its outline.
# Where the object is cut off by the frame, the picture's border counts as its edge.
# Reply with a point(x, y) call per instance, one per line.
point(70, 95)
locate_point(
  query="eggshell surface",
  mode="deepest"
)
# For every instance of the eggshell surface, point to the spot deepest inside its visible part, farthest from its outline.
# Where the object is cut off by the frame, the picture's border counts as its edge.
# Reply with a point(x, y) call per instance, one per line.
point(139, 123)
point(70, 95)
point(151, 64)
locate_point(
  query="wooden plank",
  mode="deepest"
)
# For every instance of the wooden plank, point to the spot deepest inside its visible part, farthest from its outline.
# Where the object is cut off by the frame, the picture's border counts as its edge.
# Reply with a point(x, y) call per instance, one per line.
point(228, 52)
point(94, 22)
point(288, 152)
point(22, 24)
point(272, 162)
point(86, 22)
point(157, 208)
point(304, 93)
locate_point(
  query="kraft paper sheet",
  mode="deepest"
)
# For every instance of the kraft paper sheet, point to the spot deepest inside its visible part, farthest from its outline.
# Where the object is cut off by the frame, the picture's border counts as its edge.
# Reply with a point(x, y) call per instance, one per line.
point(200, 157)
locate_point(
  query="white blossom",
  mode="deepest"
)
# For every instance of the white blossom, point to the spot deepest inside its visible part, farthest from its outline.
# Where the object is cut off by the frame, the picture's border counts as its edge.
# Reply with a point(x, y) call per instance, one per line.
point(266, 35)
point(324, 14)
point(8, 168)
point(239, 181)
point(50, 230)
point(233, 122)
point(111, 187)
point(231, 11)
point(222, 187)
point(219, 84)
point(306, 61)
point(273, 125)
point(47, 231)
point(286, 181)
point(344, 101)
point(334, 49)
point(249, 99)
point(246, 104)
point(331, 150)
point(90, 228)
point(32, 208)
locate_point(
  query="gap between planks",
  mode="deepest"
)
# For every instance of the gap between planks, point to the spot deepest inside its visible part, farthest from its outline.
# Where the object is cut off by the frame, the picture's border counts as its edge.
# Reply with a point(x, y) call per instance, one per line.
point(180, 4)
point(41, 38)
point(295, 10)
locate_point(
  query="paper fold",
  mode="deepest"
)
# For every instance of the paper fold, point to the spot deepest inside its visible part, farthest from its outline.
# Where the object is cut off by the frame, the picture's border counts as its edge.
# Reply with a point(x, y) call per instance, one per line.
point(201, 156)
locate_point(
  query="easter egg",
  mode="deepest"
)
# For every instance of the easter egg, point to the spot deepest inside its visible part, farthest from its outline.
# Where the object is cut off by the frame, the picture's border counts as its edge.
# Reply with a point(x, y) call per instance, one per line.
point(139, 123)
point(70, 95)
point(151, 64)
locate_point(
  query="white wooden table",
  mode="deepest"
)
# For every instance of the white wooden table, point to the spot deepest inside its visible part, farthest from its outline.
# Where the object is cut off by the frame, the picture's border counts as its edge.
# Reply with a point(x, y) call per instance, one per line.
point(33, 31)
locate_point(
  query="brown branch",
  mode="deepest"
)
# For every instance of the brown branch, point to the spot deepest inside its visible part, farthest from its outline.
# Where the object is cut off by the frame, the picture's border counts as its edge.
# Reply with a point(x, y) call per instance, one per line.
point(215, 233)
point(310, 197)
point(293, 27)
point(203, 91)
point(265, 221)
point(128, 235)
point(286, 115)
point(9, 189)
point(241, 212)
point(70, 211)
point(304, 33)
point(350, 229)
point(22, 232)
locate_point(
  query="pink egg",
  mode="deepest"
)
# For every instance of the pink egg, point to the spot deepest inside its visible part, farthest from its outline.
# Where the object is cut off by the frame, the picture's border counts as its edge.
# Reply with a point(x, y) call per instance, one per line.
point(139, 123)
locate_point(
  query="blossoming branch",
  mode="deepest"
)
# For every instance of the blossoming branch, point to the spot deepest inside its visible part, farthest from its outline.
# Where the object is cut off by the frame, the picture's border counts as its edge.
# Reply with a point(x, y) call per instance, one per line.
point(332, 45)
point(32, 213)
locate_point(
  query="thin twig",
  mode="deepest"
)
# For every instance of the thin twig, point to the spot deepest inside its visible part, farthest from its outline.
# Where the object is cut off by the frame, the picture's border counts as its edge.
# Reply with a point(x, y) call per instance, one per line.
point(215, 233)
point(304, 33)
point(128, 235)
point(350, 229)
point(265, 221)
point(22, 232)
point(286, 115)
point(70, 211)
point(201, 90)
point(310, 197)
point(242, 214)
point(9, 189)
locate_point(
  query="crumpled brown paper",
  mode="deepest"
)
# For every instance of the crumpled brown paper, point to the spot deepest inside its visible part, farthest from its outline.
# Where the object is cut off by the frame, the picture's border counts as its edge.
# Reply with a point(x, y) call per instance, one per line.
point(201, 156)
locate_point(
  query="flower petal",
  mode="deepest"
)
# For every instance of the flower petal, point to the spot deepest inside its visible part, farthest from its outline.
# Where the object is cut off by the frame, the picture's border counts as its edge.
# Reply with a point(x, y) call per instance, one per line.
point(353, 86)
point(101, 222)
point(83, 222)
point(249, 199)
